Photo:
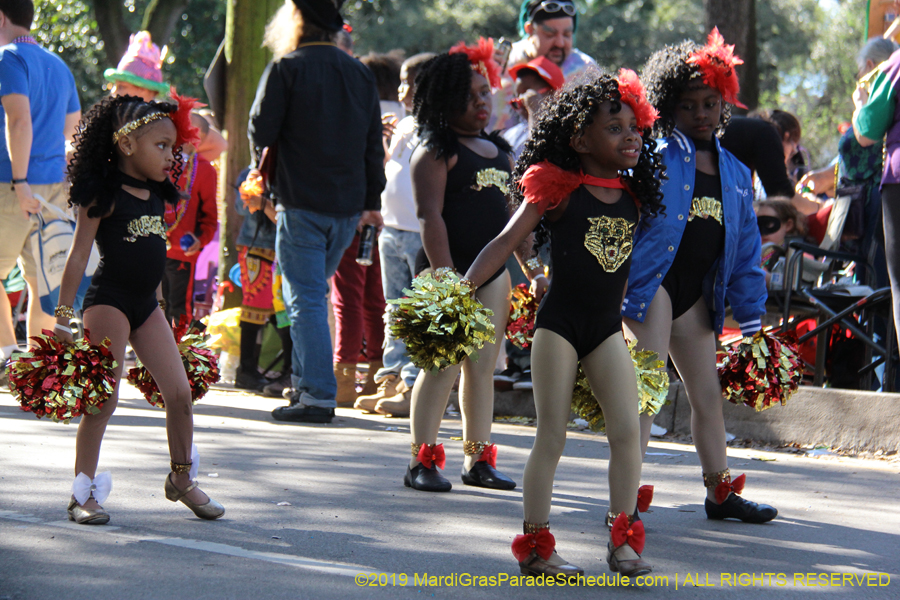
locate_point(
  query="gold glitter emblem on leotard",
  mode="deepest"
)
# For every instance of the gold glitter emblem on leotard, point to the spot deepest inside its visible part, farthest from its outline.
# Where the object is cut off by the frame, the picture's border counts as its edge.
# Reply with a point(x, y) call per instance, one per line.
point(491, 177)
point(145, 227)
point(610, 240)
point(706, 207)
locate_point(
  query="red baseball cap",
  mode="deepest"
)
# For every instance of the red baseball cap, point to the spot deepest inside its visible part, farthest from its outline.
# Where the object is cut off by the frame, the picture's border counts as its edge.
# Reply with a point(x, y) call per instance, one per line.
point(546, 70)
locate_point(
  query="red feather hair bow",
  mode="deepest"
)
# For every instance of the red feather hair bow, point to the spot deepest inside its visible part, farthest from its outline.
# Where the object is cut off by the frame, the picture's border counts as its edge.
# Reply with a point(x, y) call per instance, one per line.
point(634, 95)
point(645, 497)
point(432, 455)
point(186, 132)
point(481, 57)
point(716, 61)
point(624, 532)
point(726, 487)
point(542, 543)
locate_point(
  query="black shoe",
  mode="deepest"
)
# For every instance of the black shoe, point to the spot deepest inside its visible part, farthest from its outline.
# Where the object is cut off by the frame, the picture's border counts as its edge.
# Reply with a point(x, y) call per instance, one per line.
point(303, 414)
point(249, 380)
point(426, 479)
point(524, 382)
point(736, 507)
point(486, 476)
point(504, 380)
point(275, 389)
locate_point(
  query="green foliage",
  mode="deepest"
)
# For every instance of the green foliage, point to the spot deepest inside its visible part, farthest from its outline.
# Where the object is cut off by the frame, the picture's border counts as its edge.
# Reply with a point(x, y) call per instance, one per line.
point(68, 28)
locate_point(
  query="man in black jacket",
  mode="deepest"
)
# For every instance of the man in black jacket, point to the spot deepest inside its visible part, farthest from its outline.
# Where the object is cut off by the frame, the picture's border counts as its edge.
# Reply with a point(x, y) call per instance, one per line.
point(319, 108)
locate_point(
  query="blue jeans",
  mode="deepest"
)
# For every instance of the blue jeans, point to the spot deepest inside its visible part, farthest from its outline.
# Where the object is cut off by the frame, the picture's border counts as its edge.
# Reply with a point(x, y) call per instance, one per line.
point(309, 246)
point(398, 251)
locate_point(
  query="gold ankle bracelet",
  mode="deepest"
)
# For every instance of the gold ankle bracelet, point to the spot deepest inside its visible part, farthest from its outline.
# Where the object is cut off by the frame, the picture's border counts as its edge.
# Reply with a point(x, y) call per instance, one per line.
point(612, 516)
point(711, 480)
point(534, 527)
point(180, 468)
point(474, 448)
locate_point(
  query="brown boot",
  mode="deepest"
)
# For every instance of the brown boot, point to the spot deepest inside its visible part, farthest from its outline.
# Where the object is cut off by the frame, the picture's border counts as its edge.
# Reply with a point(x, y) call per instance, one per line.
point(345, 373)
point(371, 386)
point(396, 406)
point(387, 387)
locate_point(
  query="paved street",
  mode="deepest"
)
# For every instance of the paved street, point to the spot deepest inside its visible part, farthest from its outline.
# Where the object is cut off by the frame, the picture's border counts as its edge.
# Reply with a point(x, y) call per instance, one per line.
point(309, 507)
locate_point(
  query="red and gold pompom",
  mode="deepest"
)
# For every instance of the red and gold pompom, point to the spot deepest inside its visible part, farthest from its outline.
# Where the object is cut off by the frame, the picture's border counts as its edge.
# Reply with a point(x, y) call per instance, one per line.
point(761, 371)
point(522, 310)
point(63, 380)
point(200, 364)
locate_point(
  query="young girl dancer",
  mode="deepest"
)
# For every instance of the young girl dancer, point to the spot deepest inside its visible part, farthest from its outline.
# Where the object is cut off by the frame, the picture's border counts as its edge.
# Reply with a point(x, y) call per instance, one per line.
point(125, 150)
point(586, 176)
point(704, 250)
point(460, 177)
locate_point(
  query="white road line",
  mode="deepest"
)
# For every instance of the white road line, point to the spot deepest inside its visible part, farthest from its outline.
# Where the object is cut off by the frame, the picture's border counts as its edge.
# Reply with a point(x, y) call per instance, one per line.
point(319, 566)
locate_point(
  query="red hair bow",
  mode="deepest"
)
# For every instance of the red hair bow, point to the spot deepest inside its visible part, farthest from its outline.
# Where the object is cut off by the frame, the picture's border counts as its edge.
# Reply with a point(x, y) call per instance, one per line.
point(634, 95)
point(186, 132)
point(645, 497)
point(726, 487)
point(631, 533)
point(481, 57)
point(717, 61)
point(432, 455)
point(489, 455)
point(542, 543)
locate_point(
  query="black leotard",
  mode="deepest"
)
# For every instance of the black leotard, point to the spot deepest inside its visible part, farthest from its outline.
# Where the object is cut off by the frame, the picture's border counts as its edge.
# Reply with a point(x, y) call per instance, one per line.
point(590, 245)
point(475, 208)
point(132, 244)
point(700, 247)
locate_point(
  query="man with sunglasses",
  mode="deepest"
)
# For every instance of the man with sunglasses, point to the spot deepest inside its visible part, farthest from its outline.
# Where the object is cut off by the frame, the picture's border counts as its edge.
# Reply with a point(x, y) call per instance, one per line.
point(548, 29)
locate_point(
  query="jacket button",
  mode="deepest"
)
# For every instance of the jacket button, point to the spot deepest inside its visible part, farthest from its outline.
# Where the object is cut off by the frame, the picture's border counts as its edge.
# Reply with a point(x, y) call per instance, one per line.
point(671, 248)
point(687, 159)
point(726, 188)
point(639, 315)
point(687, 188)
point(642, 305)
point(659, 275)
point(681, 217)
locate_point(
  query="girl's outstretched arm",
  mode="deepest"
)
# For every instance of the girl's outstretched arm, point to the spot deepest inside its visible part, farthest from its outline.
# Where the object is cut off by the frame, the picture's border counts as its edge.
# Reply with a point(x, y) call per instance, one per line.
point(76, 262)
point(495, 254)
point(429, 182)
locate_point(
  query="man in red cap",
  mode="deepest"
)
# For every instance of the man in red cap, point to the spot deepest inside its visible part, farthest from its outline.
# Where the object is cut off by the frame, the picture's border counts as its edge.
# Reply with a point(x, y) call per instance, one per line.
point(534, 82)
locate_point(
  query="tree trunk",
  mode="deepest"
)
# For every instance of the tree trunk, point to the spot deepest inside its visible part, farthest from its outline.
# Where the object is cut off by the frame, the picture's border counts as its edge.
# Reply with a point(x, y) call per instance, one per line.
point(160, 18)
point(736, 20)
point(245, 23)
point(110, 15)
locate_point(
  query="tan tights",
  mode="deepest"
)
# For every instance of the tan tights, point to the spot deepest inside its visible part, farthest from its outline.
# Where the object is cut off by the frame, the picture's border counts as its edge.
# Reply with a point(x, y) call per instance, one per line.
point(154, 344)
point(691, 343)
point(610, 371)
point(432, 390)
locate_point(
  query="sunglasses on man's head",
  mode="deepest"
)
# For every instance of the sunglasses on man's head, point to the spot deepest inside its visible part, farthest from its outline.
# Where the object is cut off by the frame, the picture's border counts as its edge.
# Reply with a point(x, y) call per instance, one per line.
point(552, 6)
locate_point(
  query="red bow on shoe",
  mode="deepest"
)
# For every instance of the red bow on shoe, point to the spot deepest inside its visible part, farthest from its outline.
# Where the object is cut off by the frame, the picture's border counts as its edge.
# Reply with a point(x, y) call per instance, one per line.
point(632, 534)
point(489, 455)
point(645, 497)
point(726, 487)
point(541, 542)
point(432, 455)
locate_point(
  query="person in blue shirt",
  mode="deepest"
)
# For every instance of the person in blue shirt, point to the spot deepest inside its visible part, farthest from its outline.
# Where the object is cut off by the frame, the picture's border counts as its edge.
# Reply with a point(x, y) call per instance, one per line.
point(39, 112)
point(703, 251)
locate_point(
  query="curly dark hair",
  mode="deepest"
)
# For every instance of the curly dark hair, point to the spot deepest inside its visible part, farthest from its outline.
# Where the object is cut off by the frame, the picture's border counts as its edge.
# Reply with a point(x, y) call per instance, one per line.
point(565, 115)
point(94, 169)
point(442, 91)
point(666, 76)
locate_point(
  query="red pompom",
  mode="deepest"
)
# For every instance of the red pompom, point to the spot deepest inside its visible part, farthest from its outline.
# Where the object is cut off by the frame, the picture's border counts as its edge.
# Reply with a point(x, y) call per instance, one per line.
point(522, 311)
point(542, 543)
point(717, 61)
point(547, 185)
point(186, 132)
point(481, 57)
point(761, 371)
point(634, 95)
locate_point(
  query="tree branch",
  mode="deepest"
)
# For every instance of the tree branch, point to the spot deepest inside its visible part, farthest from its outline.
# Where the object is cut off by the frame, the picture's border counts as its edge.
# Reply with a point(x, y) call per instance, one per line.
point(110, 15)
point(161, 17)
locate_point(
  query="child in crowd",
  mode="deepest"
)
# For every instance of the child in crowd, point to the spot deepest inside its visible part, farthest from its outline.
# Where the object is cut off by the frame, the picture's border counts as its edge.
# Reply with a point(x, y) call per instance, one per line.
point(704, 250)
point(120, 175)
point(777, 220)
point(460, 178)
point(255, 244)
point(398, 245)
point(585, 179)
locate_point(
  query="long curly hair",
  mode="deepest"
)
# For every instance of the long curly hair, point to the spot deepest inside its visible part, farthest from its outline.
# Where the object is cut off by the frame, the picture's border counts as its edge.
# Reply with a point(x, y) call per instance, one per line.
point(567, 114)
point(442, 91)
point(666, 76)
point(94, 169)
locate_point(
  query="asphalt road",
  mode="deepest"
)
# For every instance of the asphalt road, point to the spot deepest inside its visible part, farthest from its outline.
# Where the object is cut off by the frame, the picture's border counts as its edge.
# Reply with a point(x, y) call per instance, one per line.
point(313, 511)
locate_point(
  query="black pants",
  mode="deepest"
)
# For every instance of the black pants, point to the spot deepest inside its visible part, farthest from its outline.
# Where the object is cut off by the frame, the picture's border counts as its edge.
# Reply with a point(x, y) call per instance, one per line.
point(250, 348)
point(178, 289)
point(890, 209)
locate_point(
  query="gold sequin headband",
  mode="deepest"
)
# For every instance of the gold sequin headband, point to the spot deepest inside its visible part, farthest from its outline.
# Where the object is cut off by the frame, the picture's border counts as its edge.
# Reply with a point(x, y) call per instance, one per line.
point(129, 127)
